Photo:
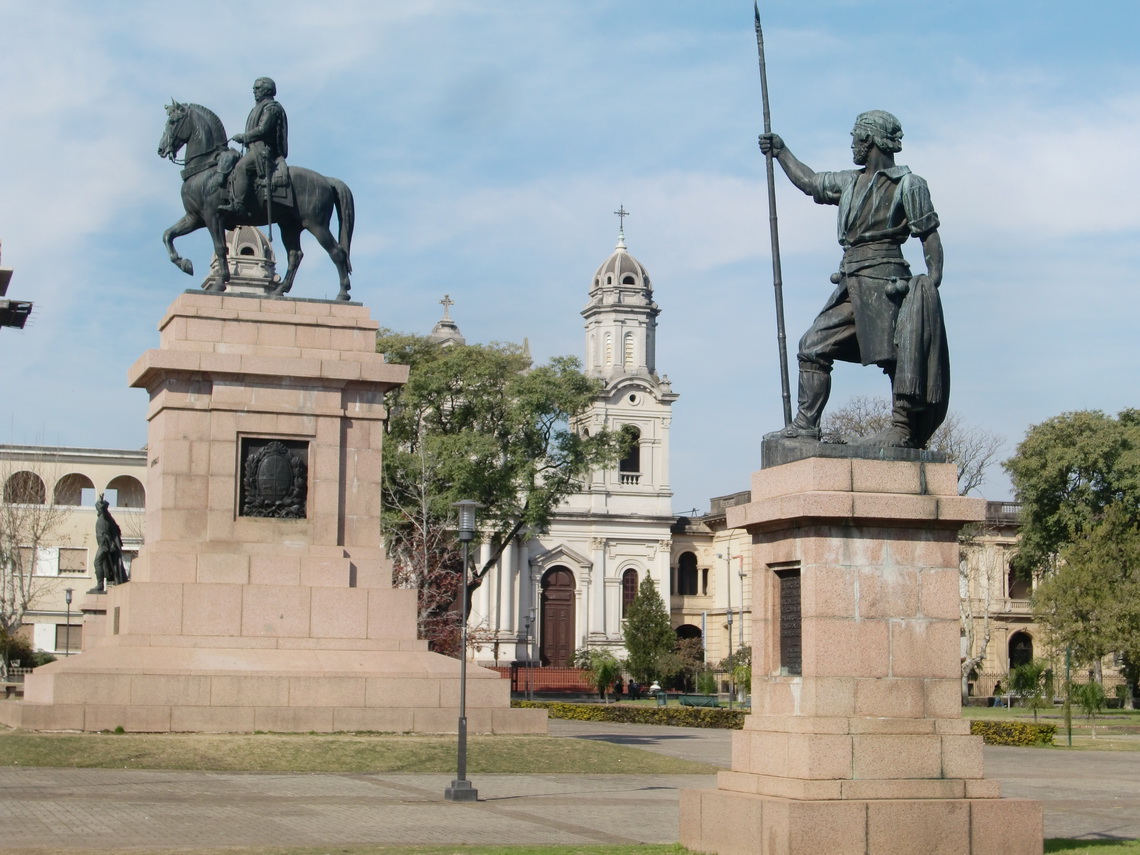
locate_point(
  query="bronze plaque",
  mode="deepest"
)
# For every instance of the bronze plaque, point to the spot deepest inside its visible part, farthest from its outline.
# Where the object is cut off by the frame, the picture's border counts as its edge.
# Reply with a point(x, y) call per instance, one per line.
point(274, 478)
point(791, 640)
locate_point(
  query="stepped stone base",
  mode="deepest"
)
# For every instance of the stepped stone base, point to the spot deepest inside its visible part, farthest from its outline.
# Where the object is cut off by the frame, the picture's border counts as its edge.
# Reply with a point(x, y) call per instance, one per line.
point(234, 622)
point(856, 742)
point(233, 690)
point(734, 823)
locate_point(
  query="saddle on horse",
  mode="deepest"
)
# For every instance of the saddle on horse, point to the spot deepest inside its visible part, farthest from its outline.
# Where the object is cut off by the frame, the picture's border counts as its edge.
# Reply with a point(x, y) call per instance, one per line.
point(278, 180)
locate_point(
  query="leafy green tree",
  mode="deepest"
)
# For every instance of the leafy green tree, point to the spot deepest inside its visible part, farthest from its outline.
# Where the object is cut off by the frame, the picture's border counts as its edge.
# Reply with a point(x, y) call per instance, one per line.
point(479, 422)
point(739, 665)
point(1090, 697)
point(601, 666)
point(1091, 603)
point(649, 635)
point(683, 668)
point(1028, 682)
point(1066, 473)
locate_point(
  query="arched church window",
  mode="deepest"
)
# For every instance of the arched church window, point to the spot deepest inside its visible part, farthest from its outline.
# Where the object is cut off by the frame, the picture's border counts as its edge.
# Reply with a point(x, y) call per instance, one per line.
point(609, 355)
point(631, 462)
point(687, 574)
point(629, 350)
point(628, 280)
point(628, 589)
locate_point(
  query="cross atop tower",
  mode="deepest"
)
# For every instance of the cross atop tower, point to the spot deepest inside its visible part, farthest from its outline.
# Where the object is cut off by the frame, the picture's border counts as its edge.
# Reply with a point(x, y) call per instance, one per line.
point(621, 213)
point(447, 303)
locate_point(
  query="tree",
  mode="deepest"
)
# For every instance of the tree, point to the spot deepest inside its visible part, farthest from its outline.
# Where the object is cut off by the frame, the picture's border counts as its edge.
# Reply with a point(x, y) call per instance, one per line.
point(1065, 473)
point(649, 636)
point(1090, 697)
point(974, 449)
point(601, 666)
point(1028, 683)
point(979, 574)
point(28, 518)
point(479, 422)
point(1090, 604)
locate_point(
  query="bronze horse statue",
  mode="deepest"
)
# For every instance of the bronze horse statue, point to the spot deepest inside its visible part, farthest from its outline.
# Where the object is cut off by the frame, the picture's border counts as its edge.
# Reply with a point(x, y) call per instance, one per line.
point(204, 189)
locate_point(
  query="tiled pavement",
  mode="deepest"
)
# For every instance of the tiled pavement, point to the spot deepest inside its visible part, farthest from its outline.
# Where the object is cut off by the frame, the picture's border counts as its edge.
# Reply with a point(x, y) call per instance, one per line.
point(1087, 794)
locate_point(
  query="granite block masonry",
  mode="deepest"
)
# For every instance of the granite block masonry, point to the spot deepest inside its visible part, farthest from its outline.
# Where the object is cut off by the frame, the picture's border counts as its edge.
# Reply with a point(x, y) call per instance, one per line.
point(262, 599)
point(855, 743)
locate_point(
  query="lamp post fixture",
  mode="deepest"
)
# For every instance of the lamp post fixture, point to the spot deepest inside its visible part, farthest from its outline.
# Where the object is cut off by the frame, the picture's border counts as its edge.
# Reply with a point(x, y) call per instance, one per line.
point(67, 592)
point(740, 558)
point(461, 789)
point(728, 594)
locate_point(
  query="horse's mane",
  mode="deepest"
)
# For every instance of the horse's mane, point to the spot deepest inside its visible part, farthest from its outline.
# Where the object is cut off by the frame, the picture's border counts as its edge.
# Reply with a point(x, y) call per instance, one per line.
point(211, 116)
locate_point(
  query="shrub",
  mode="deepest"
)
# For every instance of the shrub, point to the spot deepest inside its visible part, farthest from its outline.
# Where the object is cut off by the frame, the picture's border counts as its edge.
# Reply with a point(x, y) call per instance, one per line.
point(1014, 732)
point(674, 716)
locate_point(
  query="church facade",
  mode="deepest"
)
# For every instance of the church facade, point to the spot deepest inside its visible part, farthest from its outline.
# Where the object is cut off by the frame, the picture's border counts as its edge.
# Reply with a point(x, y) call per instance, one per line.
point(568, 588)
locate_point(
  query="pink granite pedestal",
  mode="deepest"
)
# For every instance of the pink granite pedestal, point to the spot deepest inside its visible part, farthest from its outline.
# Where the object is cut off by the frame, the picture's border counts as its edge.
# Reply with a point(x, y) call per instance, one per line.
point(857, 744)
point(240, 623)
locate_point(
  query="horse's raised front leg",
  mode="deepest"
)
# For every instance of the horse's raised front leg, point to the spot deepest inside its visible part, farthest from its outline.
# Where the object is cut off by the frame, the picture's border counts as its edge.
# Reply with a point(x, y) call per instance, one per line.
point(217, 230)
point(291, 238)
point(339, 256)
point(189, 223)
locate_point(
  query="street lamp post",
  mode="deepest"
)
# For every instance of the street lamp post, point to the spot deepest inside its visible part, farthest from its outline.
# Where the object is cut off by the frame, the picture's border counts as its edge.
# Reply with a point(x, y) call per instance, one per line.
point(740, 558)
point(728, 595)
point(67, 592)
point(461, 789)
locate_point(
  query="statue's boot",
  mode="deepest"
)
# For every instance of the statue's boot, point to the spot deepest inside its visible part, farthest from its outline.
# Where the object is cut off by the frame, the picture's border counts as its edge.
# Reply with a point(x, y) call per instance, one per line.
point(239, 190)
point(814, 390)
point(898, 435)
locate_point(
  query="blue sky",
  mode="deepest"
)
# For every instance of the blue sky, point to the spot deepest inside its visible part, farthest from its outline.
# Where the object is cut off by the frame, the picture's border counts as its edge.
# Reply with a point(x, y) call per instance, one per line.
point(487, 144)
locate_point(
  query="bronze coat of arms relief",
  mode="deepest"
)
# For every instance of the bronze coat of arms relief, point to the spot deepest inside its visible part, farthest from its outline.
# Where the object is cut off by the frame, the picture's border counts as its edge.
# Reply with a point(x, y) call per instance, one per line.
point(275, 477)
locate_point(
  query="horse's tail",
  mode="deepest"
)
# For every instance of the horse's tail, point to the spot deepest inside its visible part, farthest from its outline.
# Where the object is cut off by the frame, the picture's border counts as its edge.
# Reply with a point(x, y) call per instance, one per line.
point(346, 215)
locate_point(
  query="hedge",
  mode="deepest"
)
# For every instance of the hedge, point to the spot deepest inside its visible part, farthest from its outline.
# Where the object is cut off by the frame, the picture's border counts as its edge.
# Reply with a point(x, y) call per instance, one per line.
point(1013, 732)
point(675, 716)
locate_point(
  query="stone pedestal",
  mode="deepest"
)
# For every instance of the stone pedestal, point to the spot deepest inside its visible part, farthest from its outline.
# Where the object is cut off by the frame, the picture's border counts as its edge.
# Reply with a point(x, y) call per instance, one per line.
point(238, 621)
point(856, 743)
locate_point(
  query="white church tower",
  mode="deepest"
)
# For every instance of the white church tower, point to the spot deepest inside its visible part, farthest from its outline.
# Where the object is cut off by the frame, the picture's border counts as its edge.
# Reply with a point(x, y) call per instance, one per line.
point(621, 340)
point(570, 587)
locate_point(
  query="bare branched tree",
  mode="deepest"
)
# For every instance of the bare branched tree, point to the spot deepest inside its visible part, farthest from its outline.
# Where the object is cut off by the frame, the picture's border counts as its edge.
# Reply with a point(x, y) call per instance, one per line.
point(29, 517)
point(979, 575)
point(974, 449)
point(424, 556)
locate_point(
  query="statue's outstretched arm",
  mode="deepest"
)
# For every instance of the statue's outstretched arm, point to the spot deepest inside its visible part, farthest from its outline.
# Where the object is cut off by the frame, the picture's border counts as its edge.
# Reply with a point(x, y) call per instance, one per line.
point(799, 173)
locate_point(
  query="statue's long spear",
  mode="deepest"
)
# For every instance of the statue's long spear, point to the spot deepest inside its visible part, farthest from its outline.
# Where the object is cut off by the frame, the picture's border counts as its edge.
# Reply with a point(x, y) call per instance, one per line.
point(777, 276)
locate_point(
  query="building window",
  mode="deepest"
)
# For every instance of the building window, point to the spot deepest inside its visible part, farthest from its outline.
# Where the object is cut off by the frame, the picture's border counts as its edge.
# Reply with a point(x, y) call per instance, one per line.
point(68, 637)
point(629, 469)
point(69, 489)
point(25, 488)
point(129, 491)
point(687, 574)
point(72, 560)
point(629, 350)
point(628, 589)
point(609, 349)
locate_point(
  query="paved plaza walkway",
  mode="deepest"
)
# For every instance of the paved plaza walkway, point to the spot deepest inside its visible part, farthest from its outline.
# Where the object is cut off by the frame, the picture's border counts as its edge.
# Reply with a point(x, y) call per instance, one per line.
point(1086, 794)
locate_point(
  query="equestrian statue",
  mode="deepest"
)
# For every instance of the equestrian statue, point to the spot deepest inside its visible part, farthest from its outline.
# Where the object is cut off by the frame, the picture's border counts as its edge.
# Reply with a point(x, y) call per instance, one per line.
point(222, 189)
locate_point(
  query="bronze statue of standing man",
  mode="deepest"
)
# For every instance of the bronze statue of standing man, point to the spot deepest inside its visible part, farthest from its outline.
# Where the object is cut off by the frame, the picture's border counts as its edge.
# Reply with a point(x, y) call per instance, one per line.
point(880, 313)
point(267, 136)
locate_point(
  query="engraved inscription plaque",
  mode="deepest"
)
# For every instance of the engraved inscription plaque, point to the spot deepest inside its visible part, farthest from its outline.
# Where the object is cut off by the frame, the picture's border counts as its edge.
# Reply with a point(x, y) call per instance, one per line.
point(791, 645)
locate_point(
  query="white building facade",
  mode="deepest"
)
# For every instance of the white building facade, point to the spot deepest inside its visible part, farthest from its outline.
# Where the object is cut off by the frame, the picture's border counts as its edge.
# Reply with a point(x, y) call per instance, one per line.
point(554, 593)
